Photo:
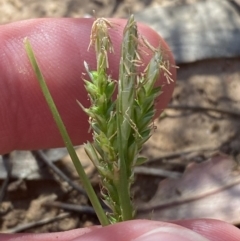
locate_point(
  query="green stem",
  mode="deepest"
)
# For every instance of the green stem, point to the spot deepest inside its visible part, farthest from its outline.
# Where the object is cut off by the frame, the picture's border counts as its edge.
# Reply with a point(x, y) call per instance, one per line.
point(125, 104)
point(86, 183)
point(123, 191)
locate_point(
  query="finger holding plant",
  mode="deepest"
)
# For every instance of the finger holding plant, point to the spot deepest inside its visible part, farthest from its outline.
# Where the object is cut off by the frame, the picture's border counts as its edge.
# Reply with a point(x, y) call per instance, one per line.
point(120, 126)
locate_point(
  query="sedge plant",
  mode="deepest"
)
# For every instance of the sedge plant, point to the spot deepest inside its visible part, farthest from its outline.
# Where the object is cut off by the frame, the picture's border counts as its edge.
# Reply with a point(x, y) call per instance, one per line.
point(120, 125)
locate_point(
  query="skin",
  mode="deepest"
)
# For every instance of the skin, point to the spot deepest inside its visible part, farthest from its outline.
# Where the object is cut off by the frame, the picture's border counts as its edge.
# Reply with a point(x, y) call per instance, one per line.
point(26, 123)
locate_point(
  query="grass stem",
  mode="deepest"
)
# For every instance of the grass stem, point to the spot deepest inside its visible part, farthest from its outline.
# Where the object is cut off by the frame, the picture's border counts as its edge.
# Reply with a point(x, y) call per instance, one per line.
point(68, 143)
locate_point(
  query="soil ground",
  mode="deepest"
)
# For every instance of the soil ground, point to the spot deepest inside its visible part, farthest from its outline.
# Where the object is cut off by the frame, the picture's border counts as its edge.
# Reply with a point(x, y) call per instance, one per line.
point(210, 83)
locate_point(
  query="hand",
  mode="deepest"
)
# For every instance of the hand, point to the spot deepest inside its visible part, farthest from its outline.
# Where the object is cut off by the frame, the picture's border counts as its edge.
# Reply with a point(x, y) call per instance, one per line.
point(142, 230)
point(26, 123)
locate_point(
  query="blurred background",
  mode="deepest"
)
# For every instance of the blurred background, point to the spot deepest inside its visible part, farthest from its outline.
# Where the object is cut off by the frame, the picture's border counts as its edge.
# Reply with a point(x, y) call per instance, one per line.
point(194, 153)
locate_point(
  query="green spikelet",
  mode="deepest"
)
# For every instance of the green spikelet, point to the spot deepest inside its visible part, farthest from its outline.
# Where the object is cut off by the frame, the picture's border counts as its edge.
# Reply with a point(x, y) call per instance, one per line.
point(120, 126)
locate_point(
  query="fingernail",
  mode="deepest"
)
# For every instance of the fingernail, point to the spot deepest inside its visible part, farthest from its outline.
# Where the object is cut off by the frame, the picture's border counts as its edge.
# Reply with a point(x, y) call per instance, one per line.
point(170, 234)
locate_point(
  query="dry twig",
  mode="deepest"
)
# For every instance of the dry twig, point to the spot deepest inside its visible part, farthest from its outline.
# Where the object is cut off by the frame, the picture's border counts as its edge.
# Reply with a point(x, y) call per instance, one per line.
point(56, 170)
point(201, 108)
point(26, 226)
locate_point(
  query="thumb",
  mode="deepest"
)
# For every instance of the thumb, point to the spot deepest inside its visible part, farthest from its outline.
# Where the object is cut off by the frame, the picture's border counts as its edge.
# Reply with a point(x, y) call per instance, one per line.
point(142, 230)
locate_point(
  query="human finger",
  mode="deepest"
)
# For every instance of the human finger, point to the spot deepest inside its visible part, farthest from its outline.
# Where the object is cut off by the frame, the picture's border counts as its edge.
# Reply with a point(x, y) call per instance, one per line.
point(60, 46)
point(136, 230)
point(214, 230)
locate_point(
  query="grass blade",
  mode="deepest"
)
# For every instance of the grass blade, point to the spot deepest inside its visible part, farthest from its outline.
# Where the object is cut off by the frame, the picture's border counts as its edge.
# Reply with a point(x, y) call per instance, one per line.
point(85, 181)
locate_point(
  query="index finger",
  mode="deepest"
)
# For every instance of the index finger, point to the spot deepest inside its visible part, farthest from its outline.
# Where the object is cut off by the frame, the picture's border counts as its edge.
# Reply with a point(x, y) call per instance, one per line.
point(60, 46)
